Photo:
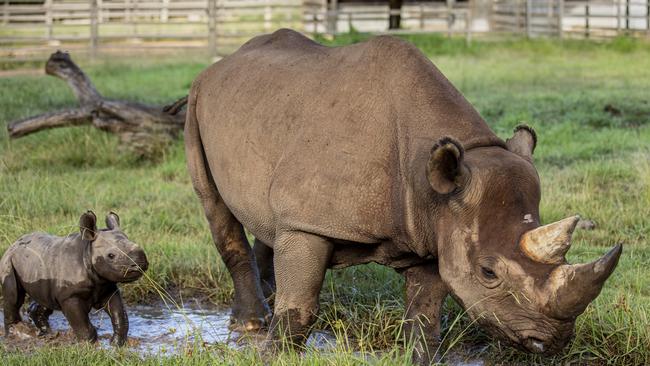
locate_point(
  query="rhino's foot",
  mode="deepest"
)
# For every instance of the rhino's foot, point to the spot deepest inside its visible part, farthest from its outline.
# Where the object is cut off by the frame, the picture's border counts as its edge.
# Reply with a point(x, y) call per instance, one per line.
point(247, 325)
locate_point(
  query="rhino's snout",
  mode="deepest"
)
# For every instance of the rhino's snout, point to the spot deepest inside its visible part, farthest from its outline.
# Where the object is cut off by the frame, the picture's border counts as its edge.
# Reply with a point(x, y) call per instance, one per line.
point(140, 262)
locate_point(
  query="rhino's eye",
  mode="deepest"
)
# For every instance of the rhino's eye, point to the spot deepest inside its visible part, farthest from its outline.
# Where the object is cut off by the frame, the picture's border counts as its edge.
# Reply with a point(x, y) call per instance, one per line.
point(488, 273)
point(111, 256)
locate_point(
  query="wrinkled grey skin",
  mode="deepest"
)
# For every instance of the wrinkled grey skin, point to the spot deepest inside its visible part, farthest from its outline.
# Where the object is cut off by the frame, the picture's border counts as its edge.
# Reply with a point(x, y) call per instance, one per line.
point(333, 157)
point(74, 274)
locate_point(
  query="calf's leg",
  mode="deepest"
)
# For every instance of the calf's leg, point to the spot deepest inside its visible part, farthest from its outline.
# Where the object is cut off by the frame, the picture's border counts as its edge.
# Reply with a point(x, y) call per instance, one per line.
point(76, 312)
point(300, 260)
point(120, 321)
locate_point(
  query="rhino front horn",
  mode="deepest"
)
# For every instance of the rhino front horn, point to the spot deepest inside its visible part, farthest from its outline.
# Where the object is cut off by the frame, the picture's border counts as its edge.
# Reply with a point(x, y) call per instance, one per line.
point(571, 287)
point(549, 243)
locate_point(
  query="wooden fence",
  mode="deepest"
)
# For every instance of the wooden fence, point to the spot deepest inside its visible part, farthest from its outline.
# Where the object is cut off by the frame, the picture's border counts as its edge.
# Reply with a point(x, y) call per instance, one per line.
point(564, 18)
point(32, 30)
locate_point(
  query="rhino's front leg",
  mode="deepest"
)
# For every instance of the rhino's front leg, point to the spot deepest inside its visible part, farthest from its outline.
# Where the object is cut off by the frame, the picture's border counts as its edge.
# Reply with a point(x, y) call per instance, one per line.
point(425, 295)
point(76, 311)
point(120, 321)
point(300, 262)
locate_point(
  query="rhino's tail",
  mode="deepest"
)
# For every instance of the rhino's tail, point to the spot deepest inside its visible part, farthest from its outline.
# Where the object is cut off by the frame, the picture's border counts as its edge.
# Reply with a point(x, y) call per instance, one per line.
point(197, 164)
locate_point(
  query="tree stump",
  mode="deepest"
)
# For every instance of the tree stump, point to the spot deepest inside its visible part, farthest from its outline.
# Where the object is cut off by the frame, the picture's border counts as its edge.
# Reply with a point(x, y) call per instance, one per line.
point(144, 130)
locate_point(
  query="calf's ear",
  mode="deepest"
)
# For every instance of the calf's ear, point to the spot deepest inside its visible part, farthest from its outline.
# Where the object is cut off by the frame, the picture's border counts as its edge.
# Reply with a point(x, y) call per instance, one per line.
point(445, 169)
point(523, 142)
point(112, 221)
point(88, 226)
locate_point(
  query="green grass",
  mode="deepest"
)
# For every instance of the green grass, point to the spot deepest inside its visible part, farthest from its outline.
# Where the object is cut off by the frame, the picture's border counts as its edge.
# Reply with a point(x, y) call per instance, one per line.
point(592, 159)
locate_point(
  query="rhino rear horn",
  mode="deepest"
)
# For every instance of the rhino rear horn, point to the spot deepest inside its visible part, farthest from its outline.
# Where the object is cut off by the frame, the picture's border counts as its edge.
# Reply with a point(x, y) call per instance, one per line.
point(445, 168)
point(549, 243)
point(88, 226)
point(571, 287)
point(523, 142)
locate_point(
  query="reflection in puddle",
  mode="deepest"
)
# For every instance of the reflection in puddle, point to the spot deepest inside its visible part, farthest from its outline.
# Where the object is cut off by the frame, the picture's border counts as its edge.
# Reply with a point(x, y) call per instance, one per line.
point(159, 330)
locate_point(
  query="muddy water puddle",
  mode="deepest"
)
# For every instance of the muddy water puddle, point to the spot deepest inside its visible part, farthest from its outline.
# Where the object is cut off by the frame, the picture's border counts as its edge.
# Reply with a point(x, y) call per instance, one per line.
point(152, 329)
point(161, 330)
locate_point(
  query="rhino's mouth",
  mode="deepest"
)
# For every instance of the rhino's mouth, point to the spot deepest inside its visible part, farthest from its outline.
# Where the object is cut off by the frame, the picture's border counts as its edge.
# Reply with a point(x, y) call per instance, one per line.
point(529, 340)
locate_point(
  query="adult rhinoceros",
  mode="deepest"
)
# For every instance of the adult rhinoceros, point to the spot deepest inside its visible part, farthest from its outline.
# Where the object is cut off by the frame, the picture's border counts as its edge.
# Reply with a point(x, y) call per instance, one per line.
point(333, 157)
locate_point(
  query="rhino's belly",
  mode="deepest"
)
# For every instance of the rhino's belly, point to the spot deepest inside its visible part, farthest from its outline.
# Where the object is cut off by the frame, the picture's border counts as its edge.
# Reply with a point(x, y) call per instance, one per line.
point(386, 253)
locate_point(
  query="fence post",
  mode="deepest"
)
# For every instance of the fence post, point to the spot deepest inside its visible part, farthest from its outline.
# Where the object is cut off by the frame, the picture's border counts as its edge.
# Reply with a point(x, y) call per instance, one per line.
point(212, 27)
point(627, 16)
point(5, 13)
point(618, 16)
point(518, 15)
point(529, 7)
point(560, 18)
point(48, 20)
point(268, 15)
point(587, 19)
point(332, 17)
point(93, 28)
point(164, 11)
point(468, 24)
point(421, 16)
point(449, 17)
point(647, 13)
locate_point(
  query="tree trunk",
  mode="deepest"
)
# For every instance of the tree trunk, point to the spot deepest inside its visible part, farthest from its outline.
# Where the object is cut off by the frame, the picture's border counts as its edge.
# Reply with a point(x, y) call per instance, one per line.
point(144, 130)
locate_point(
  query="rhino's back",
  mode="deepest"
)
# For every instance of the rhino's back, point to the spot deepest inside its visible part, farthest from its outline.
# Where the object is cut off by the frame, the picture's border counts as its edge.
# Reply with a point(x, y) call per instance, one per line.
point(313, 138)
point(45, 264)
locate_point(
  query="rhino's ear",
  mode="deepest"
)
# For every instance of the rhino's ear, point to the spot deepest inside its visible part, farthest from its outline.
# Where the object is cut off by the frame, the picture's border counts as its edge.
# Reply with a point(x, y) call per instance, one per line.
point(88, 226)
point(112, 221)
point(523, 142)
point(445, 169)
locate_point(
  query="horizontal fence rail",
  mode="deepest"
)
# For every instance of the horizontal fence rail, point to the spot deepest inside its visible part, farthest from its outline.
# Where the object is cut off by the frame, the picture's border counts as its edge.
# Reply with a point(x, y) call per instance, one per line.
point(29, 29)
point(563, 18)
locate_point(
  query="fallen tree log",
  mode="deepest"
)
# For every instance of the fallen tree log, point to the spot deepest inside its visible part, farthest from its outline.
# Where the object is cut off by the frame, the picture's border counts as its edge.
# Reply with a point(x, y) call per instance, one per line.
point(142, 129)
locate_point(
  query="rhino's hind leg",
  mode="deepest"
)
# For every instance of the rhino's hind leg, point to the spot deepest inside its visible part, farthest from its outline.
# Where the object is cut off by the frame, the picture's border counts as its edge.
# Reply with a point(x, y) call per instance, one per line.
point(300, 261)
point(249, 311)
point(40, 316)
point(425, 295)
point(264, 258)
point(14, 297)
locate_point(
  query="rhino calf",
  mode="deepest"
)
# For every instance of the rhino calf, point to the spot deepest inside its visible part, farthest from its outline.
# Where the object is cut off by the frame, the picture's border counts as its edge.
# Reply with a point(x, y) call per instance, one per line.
point(74, 274)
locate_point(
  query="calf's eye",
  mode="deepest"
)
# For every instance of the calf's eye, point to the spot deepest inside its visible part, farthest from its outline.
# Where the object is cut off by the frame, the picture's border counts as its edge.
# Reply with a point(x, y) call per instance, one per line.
point(111, 255)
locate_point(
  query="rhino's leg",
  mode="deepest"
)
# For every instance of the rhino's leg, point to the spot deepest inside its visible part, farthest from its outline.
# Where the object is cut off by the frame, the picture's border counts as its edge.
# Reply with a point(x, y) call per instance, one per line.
point(264, 258)
point(14, 297)
point(76, 312)
point(120, 321)
point(300, 262)
point(425, 295)
point(40, 316)
point(249, 309)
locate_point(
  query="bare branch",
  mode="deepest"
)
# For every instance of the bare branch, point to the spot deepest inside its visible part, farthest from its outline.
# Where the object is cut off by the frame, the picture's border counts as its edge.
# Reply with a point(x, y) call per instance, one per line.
point(70, 117)
point(141, 128)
